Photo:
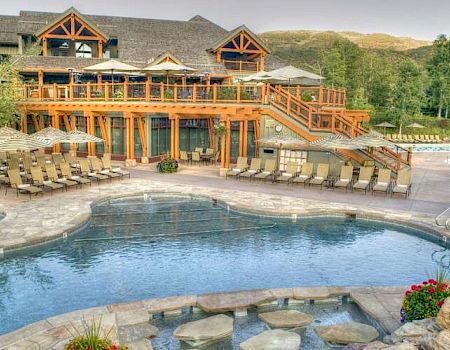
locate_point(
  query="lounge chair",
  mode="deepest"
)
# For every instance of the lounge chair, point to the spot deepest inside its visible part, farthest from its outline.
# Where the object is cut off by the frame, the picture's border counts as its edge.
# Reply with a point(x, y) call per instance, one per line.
point(321, 175)
point(57, 159)
point(438, 138)
point(15, 181)
point(383, 183)
point(255, 168)
point(67, 173)
point(417, 139)
point(38, 180)
point(290, 173)
point(52, 175)
point(97, 167)
point(87, 172)
point(107, 165)
point(241, 167)
point(268, 171)
point(403, 183)
point(305, 174)
point(184, 157)
point(345, 178)
point(422, 138)
point(364, 179)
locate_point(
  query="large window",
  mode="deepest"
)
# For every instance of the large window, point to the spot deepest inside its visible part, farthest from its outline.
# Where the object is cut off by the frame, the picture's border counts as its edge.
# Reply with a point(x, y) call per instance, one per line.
point(160, 137)
point(83, 50)
point(193, 133)
point(118, 132)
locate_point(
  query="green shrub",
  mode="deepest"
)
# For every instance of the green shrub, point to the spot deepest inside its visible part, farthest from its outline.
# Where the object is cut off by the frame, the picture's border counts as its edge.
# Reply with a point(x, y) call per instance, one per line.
point(167, 166)
point(424, 300)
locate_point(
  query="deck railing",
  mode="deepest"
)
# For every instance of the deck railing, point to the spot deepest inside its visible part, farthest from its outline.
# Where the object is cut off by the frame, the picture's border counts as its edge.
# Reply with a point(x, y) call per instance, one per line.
point(319, 95)
point(145, 92)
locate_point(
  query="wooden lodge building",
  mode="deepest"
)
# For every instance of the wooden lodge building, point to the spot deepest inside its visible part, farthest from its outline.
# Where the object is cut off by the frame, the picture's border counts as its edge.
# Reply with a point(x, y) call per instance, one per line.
point(142, 117)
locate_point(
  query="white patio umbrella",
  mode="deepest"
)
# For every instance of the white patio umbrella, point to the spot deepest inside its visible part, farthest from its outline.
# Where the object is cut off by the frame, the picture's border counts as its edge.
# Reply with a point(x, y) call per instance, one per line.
point(77, 136)
point(167, 68)
point(283, 142)
point(297, 75)
point(6, 132)
point(22, 142)
point(335, 141)
point(264, 77)
point(112, 66)
point(51, 134)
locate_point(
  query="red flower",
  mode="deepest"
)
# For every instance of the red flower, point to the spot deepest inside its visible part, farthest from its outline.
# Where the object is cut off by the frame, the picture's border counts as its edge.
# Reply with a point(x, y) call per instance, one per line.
point(414, 287)
point(440, 303)
point(432, 281)
point(432, 290)
point(442, 287)
point(407, 293)
point(425, 282)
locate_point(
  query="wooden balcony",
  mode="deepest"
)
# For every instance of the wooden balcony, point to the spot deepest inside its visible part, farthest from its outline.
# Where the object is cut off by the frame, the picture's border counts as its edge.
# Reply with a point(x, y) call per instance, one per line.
point(241, 66)
point(319, 95)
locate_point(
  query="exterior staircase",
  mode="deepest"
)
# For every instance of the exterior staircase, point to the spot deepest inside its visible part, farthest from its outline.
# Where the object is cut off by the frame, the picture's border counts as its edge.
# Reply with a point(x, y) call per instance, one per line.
point(311, 123)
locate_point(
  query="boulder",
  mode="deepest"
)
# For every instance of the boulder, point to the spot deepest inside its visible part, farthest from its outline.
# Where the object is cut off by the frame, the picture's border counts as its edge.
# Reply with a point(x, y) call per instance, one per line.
point(443, 317)
point(275, 339)
point(347, 333)
point(439, 341)
point(142, 344)
point(409, 331)
point(286, 319)
point(204, 331)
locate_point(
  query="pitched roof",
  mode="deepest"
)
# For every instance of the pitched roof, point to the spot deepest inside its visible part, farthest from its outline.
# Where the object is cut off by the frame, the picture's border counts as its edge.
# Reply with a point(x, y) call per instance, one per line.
point(64, 15)
point(8, 29)
point(231, 34)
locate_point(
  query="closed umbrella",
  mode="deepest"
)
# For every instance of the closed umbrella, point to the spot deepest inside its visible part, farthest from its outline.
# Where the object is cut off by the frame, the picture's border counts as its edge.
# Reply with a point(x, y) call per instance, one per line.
point(167, 68)
point(112, 66)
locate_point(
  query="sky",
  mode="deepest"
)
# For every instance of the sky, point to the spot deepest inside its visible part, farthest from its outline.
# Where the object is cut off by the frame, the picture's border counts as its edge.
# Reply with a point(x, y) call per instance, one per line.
point(420, 19)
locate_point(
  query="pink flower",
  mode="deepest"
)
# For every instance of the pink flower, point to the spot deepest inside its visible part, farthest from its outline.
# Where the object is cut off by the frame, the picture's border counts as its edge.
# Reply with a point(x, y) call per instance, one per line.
point(432, 290)
point(414, 287)
point(440, 303)
point(432, 281)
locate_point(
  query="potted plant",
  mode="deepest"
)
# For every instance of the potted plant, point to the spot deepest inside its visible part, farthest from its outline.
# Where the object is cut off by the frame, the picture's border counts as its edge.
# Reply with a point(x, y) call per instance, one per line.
point(424, 300)
point(90, 337)
point(167, 165)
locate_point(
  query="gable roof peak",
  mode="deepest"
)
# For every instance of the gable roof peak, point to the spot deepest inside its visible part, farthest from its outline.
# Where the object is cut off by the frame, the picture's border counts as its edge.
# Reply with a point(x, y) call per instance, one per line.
point(198, 18)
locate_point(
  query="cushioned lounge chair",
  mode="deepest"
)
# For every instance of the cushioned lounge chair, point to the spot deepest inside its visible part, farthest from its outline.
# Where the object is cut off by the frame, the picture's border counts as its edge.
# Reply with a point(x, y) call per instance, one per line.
point(97, 167)
point(290, 173)
point(52, 175)
point(255, 168)
point(268, 171)
point(305, 174)
point(383, 183)
point(15, 181)
point(403, 183)
point(87, 172)
point(107, 165)
point(57, 159)
point(364, 179)
point(241, 167)
point(38, 180)
point(67, 173)
point(345, 178)
point(321, 175)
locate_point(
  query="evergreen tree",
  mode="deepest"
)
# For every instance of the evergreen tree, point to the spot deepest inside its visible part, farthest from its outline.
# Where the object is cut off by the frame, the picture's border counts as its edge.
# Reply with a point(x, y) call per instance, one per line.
point(9, 94)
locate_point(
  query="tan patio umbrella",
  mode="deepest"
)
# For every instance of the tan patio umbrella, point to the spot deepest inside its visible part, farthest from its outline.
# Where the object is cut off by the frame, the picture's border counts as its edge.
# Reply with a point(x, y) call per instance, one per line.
point(265, 77)
point(167, 68)
point(112, 66)
point(283, 142)
point(385, 125)
point(415, 126)
point(335, 141)
point(6, 132)
point(297, 75)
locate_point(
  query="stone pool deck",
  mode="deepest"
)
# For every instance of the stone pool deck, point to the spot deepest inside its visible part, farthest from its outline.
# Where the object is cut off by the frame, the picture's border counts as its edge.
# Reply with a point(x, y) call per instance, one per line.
point(131, 322)
point(47, 218)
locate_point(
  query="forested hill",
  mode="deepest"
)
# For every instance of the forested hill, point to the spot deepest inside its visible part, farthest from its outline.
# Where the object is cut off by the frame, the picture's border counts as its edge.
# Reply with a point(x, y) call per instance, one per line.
point(304, 48)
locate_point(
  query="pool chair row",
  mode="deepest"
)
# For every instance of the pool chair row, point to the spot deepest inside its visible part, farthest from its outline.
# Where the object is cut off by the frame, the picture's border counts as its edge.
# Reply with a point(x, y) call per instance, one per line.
point(365, 180)
point(414, 138)
point(34, 178)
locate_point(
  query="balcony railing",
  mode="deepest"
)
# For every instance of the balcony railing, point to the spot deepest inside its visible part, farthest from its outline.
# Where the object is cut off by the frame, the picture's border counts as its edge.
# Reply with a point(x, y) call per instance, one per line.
point(144, 92)
point(319, 95)
point(241, 66)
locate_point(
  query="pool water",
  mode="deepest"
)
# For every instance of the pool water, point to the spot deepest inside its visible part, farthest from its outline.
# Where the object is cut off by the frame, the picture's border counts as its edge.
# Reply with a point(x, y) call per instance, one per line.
point(324, 314)
point(138, 248)
point(431, 147)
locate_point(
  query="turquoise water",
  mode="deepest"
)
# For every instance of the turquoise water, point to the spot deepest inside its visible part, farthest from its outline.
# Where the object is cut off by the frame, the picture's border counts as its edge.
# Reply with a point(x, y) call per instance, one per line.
point(431, 148)
point(136, 249)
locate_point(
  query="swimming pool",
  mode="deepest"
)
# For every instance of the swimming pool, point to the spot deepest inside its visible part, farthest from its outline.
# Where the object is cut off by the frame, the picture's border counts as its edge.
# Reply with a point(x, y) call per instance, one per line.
point(430, 147)
point(170, 245)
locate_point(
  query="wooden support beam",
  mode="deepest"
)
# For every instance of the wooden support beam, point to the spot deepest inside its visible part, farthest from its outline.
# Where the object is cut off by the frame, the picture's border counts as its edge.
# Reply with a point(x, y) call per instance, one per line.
point(129, 117)
point(245, 138)
point(142, 127)
point(228, 143)
point(104, 131)
point(241, 138)
point(23, 123)
point(90, 129)
point(256, 128)
point(55, 124)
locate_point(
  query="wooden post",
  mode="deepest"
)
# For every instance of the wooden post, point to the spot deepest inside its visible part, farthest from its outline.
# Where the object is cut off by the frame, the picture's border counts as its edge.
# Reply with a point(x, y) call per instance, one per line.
point(100, 49)
point(194, 93)
point(106, 91)
point(90, 126)
point(55, 92)
point(321, 95)
point(99, 78)
point(23, 123)
point(222, 151)
point(147, 90)
point(44, 47)
point(175, 92)
point(245, 138)
point(261, 63)
point(238, 93)
point(88, 90)
point(228, 143)
point(177, 137)
point(125, 90)
point(161, 90)
point(215, 93)
point(55, 124)
point(172, 135)
point(129, 119)
point(40, 83)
